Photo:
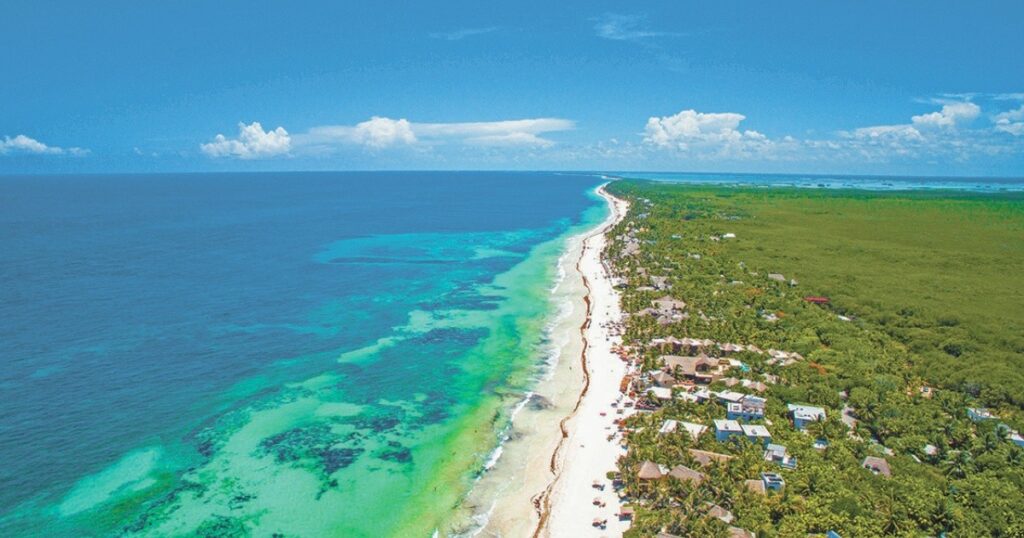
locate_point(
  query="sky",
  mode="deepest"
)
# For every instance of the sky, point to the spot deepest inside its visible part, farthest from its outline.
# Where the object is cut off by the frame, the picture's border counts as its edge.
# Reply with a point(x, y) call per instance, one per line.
point(890, 88)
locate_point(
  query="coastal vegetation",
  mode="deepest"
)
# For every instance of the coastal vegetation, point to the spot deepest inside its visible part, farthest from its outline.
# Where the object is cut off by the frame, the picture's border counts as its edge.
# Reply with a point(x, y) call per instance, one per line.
point(903, 311)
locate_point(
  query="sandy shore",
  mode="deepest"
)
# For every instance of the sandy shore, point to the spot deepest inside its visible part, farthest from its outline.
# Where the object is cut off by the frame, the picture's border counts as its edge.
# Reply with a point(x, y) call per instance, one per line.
point(543, 482)
point(587, 453)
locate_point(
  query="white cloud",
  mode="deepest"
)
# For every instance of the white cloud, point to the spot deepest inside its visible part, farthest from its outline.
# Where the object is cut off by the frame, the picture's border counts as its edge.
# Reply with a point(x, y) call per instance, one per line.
point(28, 145)
point(625, 28)
point(705, 134)
point(462, 33)
point(1011, 121)
point(382, 132)
point(885, 133)
point(252, 143)
point(945, 135)
point(950, 115)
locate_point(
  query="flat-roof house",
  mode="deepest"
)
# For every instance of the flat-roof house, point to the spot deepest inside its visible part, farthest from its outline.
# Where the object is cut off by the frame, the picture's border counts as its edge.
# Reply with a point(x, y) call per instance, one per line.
point(748, 408)
point(877, 465)
point(778, 277)
point(805, 414)
point(724, 429)
point(1016, 438)
point(978, 414)
point(756, 433)
point(729, 396)
point(773, 481)
point(778, 454)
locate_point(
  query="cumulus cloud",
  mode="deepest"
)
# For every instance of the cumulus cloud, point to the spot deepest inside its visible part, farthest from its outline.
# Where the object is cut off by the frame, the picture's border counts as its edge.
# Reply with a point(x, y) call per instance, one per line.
point(1011, 121)
point(252, 143)
point(28, 145)
point(705, 134)
point(944, 135)
point(382, 132)
point(935, 134)
point(950, 115)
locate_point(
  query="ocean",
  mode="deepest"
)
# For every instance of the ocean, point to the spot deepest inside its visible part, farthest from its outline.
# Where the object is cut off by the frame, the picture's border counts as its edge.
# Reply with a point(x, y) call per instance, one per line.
point(310, 354)
point(836, 181)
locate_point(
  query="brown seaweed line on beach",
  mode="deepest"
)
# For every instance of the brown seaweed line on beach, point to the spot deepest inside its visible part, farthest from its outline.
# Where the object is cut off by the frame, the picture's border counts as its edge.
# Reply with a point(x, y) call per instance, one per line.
point(542, 501)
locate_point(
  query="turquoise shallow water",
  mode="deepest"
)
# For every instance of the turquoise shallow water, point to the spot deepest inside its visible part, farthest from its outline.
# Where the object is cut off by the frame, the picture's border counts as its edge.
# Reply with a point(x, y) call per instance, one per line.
point(302, 354)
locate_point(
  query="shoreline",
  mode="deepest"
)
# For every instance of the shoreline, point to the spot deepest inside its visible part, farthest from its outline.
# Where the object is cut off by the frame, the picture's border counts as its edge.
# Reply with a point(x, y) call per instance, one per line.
point(523, 493)
point(590, 439)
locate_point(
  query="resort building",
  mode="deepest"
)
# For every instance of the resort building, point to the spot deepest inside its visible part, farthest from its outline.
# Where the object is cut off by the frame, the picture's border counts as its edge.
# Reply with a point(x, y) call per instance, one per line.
point(705, 458)
point(1016, 438)
point(700, 395)
point(650, 471)
point(662, 379)
point(672, 426)
point(805, 414)
point(978, 414)
point(720, 513)
point(773, 481)
point(695, 430)
point(783, 358)
point(754, 486)
point(686, 474)
point(755, 386)
point(877, 465)
point(669, 305)
point(724, 429)
point(748, 408)
point(777, 454)
point(701, 369)
point(729, 396)
point(756, 433)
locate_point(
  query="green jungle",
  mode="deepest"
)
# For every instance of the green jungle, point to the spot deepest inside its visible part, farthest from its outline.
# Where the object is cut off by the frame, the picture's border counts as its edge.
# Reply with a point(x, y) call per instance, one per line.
point(919, 316)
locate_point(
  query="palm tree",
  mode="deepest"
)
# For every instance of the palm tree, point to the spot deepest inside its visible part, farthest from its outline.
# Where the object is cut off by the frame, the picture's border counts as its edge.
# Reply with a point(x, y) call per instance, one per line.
point(959, 464)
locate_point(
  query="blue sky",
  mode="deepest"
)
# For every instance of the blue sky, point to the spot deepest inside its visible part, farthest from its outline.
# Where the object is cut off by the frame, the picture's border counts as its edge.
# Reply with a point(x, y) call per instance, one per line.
point(930, 88)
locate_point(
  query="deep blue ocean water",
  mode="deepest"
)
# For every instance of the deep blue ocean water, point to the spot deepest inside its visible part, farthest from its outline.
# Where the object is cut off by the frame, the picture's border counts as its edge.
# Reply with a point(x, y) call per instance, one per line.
point(142, 312)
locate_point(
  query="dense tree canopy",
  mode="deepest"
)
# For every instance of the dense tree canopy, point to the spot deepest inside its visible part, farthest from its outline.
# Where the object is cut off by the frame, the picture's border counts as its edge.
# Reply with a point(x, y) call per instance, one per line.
point(925, 319)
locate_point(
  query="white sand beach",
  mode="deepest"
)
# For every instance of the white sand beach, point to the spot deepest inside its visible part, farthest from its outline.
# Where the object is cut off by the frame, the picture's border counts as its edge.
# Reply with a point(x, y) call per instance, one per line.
point(588, 454)
point(543, 484)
